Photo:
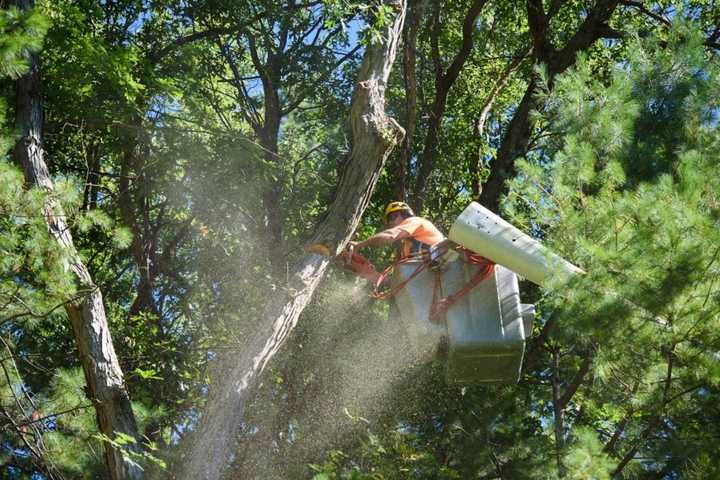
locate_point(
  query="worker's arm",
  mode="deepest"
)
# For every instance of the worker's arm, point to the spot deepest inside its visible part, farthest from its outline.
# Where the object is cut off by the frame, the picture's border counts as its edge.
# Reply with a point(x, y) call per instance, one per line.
point(386, 237)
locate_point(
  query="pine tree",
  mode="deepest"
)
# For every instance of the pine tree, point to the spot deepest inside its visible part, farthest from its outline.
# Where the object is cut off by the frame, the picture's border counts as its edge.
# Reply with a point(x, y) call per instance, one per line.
point(627, 188)
point(48, 425)
point(620, 378)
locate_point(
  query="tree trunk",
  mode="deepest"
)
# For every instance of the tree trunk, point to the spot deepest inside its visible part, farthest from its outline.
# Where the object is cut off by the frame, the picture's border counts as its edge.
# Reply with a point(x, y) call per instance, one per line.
point(269, 133)
point(374, 136)
point(133, 201)
point(515, 142)
point(410, 34)
point(103, 375)
point(444, 81)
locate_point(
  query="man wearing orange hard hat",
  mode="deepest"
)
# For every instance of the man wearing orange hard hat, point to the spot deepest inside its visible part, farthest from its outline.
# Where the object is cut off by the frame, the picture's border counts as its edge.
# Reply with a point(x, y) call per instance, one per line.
point(416, 234)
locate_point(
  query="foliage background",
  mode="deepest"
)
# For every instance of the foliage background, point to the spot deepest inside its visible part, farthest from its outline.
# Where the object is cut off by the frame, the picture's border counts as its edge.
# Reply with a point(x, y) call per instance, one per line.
point(195, 144)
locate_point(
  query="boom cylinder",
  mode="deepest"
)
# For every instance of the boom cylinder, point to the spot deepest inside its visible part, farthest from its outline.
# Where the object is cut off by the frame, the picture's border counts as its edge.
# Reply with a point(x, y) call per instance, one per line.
point(480, 230)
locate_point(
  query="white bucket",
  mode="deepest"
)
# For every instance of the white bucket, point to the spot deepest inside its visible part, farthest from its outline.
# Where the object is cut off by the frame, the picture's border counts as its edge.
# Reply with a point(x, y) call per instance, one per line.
point(486, 335)
point(485, 328)
point(480, 230)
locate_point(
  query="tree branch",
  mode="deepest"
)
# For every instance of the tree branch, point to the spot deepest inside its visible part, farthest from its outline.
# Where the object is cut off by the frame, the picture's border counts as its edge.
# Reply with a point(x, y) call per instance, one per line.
point(250, 112)
point(301, 97)
point(443, 83)
point(497, 88)
point(656, 421)
point(157, 56)
point(577, 380)
point(640, 6)
point(466, 47)
point(592, 28)
point(538, 23)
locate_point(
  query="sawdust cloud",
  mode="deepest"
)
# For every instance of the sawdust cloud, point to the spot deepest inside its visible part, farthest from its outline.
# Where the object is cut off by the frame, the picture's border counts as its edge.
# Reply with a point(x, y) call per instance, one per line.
point(351, 352)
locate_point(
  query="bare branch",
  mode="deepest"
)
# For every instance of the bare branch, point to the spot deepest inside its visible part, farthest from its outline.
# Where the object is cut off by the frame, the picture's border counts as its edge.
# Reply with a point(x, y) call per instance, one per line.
point(158, 55)
point(302, 96)
point(250, 112)
point(497, 88)
point(640, 6)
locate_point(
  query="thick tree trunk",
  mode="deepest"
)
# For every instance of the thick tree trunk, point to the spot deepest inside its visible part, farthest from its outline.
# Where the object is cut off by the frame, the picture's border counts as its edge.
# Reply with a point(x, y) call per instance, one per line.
point(374, 135)
point(103, 375)
point(515, 142)
point(513, 145)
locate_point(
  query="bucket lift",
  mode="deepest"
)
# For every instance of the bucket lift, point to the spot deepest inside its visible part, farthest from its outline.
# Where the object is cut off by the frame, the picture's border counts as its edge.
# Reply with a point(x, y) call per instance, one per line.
point(486, 328)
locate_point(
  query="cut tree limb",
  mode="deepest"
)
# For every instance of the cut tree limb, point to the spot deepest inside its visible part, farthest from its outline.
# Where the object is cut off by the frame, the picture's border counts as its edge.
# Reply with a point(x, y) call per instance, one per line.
point(212, 447)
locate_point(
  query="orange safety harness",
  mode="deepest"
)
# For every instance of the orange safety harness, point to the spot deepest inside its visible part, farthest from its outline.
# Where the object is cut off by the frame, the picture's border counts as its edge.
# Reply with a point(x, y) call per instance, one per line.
point(440, 304)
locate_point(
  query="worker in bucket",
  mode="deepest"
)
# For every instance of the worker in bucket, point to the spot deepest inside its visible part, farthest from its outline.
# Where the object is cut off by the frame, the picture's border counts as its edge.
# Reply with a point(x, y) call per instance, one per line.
point(415, 234)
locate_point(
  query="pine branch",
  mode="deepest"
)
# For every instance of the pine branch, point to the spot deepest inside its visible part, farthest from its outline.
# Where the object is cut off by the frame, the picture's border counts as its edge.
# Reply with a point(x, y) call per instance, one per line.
point(29, 312)
point(710, 42)
point(657, 419)
point(56, 414)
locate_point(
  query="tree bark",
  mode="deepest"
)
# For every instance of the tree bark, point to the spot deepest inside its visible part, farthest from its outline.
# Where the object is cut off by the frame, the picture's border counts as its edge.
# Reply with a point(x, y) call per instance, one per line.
point(103, 375)
point(374, 135)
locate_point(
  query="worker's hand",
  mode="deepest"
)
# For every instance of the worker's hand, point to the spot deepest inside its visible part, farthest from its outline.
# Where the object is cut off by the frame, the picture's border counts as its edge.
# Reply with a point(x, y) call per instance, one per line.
point(355, 245)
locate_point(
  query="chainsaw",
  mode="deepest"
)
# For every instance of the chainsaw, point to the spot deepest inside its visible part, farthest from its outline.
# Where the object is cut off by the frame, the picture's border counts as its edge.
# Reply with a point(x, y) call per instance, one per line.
point(349, 259)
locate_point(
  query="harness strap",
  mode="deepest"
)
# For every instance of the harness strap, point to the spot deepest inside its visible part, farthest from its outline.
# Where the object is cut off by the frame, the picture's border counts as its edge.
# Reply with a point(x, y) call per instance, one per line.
point(389, 293)
point(440, 304)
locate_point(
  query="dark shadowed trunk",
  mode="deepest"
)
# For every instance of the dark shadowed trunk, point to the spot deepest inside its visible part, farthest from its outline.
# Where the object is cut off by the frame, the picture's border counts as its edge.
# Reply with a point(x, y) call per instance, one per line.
point(374, 135)
point(86, 311)
point(269, 132)
point(517, 136)
point(134, 205)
